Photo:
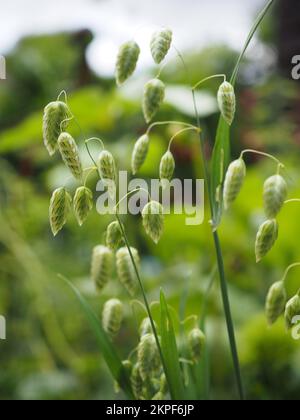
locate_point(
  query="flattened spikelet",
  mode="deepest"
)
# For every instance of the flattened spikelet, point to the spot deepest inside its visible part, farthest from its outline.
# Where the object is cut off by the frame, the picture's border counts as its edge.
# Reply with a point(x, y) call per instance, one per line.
point(125, 269)
point(139, 153)
point(167, 168)
point(102, 266)
point(266, 237)
point(107, 170)
point(54, 114)
point(292, 310)
point(60, 205)
point(70, 155)
point(227, 102)
point(137, 383)
point(83, 204)
point(112, 316)
point(275, 193)
point(196, 340)
point(276, 301)
point(127, 60)
point(234, 180)
point(114, 236)
point(148, 357)
point(160, 44)
point(154, 96)
point(153, 220)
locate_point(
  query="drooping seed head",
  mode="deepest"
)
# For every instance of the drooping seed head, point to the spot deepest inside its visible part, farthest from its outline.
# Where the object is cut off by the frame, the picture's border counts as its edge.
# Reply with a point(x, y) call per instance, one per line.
point(125, 269)
point(234, 181)
point(167, 168)
point(137, 382)
point(266, 237)
point(107, 170)
point(153, 220)
point(227, 102)
point(54, 115)
point(154, 96)
point(102, 266)
point(292, 310)
point(83, 204)
point(126, 61)
point(139, 153)
point(276, 301)
point(275, 193)
point(146, 327)
point(60, 205)
point(160, 44)
point(112, 316)
point(70, 155)
point(148, 356)
point(114, 237)
point(196, 341)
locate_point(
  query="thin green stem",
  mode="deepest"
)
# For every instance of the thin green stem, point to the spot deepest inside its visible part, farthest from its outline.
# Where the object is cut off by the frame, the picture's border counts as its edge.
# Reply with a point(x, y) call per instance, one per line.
point(288, 270)
point(257, 152)
point(215, 76)
point(160, 123)
point(63, 92)
point(132, 192)
point(180, 132)
point(293, 200)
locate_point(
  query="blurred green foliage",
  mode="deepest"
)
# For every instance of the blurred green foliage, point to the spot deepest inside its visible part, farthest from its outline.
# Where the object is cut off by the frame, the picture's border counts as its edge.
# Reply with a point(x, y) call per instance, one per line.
point(50, 352)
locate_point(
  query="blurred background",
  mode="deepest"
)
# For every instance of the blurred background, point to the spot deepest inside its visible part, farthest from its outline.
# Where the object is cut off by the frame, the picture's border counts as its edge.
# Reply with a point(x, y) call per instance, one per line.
point(50, 352)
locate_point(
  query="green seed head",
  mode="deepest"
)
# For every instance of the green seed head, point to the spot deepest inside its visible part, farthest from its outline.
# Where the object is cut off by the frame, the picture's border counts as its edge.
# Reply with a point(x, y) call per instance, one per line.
point(125, 269)
point(167, 168)
point(139, 154)
point(83, 204)
point(70, 155)
point(137, 382)
point(114, 237)
point(54, 114)
point(154, 96)
point(160, 44)
point(227, 102)
point(106, 166)
point(102, 266)
point(292, 310)
point(126, 61)
point(196, 340)
point(148, 357)
point(146, 327)
point(276, 301)
point(153, 220)
point(234, 181)
point(275, 193)
point(112, 316)
point(266, 237)
point(60, 205)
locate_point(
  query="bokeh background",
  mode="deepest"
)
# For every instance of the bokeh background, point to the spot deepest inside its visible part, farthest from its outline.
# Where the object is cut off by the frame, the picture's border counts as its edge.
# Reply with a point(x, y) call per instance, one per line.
point(50, 352)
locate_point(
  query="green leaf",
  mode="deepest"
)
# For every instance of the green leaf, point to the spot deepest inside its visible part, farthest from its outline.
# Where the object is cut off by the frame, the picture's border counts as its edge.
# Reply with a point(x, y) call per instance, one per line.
point(170, 352)
point(107, 349)
point(221, 152)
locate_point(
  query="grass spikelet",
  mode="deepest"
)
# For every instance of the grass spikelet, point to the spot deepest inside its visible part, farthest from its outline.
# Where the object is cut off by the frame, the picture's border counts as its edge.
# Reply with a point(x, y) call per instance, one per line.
point(167, 168)
point(102, 266)
point(83, 204)
point(139, 153)
point(70, 155)
point(275, 193)
point(266, 238)
point(196, 341)
point(153, 220)
point(60, 205)
point(148, 357)
point(54, 114)
point(125, 269)
point(160, 44)
point(126, 61)
point(154, 96)
point(227, 102)
point(137, 382)
point(112, 316)
point(114, 236)
point(146, 327)
point(234, 181)
point(276, 301)
point(292, 310)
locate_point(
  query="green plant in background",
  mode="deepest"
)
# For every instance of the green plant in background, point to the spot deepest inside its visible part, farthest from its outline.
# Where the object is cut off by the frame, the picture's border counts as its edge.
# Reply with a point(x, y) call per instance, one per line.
point(155, 368)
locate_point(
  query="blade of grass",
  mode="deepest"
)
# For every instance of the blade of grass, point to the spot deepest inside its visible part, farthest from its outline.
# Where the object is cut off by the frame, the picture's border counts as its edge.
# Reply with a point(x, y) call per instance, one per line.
point(170, 352)
point(107, 349)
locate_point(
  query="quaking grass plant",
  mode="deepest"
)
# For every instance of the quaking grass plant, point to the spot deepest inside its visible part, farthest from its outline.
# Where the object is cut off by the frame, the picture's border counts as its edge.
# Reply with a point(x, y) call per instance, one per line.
point(156, 368)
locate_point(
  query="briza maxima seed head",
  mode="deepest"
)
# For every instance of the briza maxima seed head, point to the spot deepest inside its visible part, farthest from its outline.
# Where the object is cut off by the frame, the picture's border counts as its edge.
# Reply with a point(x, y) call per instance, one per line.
point(196, 341)
point(106, 166)
point(114, 237)
point(70, 155)
point(266, 237)
point(102, 266)
point(276, 301)
point(112, 316)
point(167, 168)
point(275, 193)
point(126, 61)
point(125, 269)
point(148, 357)
point(234, 181)
point(139, 153)
point(154, 95)
point(160, 44)
point(137, 383)
point(83, 204)
point(146, 327)
point(227, 102)
point(54, 114)
point(60, 205)
point(292, 310)
point(153, 220)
